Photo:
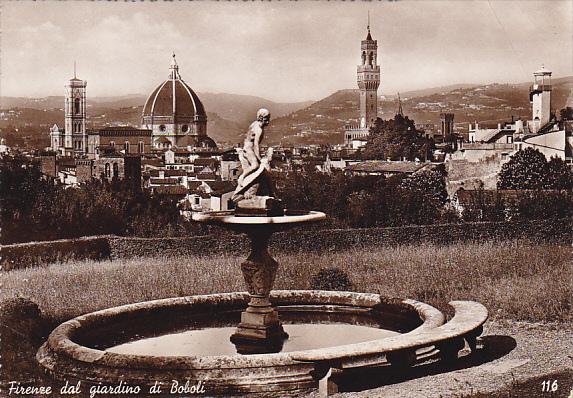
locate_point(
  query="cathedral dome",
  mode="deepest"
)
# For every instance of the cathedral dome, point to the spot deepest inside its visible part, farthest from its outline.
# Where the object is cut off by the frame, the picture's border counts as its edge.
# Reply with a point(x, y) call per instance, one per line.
point(173, 101)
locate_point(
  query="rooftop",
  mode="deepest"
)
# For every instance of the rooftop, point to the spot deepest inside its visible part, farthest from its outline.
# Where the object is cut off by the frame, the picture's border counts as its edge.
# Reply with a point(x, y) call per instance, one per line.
point(381, 166)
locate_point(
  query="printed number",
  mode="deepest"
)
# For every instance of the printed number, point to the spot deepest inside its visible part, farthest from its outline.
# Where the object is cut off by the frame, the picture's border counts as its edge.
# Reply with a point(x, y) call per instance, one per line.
point(549, 386)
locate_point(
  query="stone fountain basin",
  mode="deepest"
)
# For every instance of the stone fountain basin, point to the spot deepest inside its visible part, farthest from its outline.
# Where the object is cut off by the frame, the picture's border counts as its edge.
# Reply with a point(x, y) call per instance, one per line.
point(67, 354)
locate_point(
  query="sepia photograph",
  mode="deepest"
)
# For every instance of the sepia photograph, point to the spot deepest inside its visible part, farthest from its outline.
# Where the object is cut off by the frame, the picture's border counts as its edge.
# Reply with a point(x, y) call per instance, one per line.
point(368, 199)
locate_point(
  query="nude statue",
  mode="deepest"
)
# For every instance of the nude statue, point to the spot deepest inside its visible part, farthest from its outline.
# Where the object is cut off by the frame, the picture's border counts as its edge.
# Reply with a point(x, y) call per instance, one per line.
point(250, 155)
point(254, 194)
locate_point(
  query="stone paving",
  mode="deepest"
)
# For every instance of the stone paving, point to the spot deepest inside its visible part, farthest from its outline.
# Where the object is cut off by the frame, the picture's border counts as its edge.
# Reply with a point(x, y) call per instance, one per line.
point(535, 349)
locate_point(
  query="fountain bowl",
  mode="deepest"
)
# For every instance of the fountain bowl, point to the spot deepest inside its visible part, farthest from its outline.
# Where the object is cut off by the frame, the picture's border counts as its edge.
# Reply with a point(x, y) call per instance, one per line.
point(69, 352)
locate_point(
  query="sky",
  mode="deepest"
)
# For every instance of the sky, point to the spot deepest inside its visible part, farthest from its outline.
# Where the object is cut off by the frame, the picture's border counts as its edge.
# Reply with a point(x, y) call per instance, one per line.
point(283, 51)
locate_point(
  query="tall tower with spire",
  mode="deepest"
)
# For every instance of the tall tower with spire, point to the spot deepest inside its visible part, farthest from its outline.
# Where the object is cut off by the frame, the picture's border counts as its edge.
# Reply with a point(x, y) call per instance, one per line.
point(368, 73)
point(368, 78)
point(75, 136)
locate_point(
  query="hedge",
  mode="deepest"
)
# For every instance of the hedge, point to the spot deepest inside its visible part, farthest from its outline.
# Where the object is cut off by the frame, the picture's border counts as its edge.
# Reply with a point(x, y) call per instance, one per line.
point(32, 254)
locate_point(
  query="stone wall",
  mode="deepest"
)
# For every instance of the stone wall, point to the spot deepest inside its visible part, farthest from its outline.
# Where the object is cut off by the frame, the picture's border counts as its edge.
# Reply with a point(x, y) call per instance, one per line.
point(466, 174)
point(48, 165)
point(84, 170)
point(103, 247)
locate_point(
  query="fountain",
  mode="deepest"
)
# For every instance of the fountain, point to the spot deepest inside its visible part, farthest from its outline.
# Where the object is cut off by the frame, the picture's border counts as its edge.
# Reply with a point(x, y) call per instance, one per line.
point(260, 330)
point(285, 341)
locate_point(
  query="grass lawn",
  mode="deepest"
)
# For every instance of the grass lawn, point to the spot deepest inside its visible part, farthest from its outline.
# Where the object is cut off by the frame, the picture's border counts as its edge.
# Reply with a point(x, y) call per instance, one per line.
point(514, 280)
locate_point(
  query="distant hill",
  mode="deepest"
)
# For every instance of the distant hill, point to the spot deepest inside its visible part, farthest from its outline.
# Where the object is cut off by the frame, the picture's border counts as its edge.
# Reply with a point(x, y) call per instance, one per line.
point(242, 109)
point(234, 107)
point(434, 90)
point(319, 122)
point(323, 121)
point(228, 114)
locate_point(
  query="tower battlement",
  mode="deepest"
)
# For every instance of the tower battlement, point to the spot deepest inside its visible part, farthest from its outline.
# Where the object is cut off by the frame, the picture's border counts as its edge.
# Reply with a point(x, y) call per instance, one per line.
point(368, 81)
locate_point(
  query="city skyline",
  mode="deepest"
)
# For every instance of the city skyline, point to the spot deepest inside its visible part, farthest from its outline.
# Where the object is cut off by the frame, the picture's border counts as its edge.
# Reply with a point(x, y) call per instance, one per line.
point(283, 52)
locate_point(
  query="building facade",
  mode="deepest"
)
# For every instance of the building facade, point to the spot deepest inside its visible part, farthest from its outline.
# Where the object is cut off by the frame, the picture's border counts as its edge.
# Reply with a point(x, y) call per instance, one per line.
point(128, 140)
point(368, 79)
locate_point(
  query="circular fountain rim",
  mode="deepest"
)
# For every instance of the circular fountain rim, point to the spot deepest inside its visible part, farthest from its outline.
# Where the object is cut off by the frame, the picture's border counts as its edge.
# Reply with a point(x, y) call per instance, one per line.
point(229, 218)
point(60, 340)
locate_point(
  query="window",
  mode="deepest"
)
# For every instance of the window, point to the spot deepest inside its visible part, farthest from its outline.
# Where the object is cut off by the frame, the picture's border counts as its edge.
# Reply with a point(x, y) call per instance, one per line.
point(126, 147)
point(162, 127)
point(77, 106)
point(185, 128)
point(107, 170)
point(510, 139)
point(115, 170)
point(141, 147)
point(112, 144)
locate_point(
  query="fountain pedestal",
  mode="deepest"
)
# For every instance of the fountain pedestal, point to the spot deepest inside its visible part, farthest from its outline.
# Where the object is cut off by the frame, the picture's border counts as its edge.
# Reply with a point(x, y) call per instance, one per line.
point(260, 330)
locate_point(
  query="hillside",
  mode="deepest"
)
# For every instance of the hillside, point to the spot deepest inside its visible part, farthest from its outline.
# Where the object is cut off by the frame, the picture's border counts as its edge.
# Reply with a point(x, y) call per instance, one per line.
point(233, 107)
point(25, 121)
point(323, 121)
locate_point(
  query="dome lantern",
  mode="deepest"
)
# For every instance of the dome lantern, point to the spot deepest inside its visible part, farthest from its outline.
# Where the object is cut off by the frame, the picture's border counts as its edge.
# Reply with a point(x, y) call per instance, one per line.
point(174, 69)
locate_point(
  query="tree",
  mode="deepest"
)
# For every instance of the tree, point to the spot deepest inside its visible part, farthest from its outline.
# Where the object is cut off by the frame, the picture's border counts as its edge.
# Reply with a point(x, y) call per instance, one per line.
point(396, 139)
point(559, 175)
point(527, 169)
point(429, 182)
point(33, 207)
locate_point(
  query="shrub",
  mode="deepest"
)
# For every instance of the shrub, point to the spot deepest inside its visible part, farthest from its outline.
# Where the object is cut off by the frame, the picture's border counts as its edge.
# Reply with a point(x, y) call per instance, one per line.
point(23, 330)
point(331, 279)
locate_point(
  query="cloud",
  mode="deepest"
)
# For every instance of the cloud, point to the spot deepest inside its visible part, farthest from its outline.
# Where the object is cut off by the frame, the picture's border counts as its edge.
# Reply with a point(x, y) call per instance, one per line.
point(283, 51)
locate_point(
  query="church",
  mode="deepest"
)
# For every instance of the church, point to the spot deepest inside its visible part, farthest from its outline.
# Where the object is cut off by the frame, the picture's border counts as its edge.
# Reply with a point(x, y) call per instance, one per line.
point(173, 116)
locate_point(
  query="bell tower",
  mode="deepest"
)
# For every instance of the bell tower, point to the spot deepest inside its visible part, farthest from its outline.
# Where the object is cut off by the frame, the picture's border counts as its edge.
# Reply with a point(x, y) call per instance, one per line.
point(75, 136)
point(368, 74)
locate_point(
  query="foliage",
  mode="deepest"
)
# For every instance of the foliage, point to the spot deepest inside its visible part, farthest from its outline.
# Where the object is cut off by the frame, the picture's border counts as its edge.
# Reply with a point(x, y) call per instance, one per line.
point(367, 201)
point(546, 205)
point(566, 113)
point(35, 208)
point(331, 279)
point(503, 205)
point(396, 139)
point(559, 175)
point(529, 169)
point(430, 182)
